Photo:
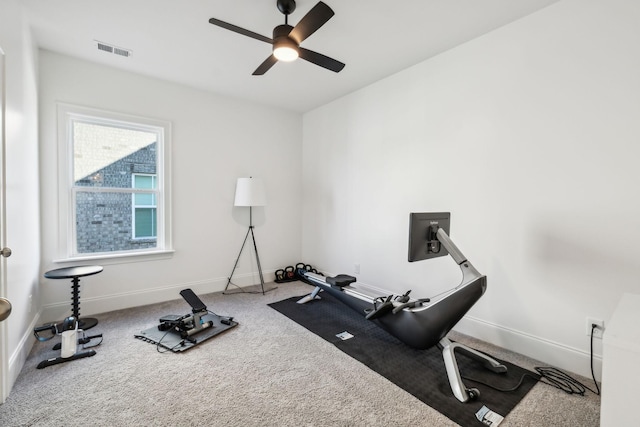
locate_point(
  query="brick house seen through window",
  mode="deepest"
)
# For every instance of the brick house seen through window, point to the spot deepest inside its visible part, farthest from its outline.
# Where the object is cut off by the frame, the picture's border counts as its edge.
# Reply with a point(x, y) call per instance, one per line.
point(115, 188)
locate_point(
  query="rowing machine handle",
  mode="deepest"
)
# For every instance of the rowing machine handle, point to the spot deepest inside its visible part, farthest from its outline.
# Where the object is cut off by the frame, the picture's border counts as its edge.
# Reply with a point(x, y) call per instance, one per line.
point(411, 304)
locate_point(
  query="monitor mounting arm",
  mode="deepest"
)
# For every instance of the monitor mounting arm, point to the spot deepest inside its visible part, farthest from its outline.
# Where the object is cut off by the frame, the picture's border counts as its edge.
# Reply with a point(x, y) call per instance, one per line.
point(469, 273)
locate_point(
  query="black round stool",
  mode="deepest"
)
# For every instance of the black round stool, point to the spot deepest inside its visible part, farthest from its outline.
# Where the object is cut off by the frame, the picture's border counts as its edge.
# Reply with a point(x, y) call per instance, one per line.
point(75, 273)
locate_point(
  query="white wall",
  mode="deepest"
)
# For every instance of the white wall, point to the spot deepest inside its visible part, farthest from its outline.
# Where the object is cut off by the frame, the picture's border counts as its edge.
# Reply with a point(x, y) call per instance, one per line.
point(22, 204)
point(215, 140)
point(529, 137)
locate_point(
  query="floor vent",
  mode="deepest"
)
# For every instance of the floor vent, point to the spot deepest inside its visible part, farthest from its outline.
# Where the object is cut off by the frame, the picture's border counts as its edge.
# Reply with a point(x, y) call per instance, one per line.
point(113, 49)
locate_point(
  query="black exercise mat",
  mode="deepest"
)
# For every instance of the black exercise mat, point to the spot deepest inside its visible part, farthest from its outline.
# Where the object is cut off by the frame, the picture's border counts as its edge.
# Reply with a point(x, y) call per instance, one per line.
point(420, 372)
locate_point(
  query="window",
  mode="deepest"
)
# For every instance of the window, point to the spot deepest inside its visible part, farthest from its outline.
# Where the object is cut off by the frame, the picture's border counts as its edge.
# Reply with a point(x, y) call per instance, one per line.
point(114, 195)
point(144, 222)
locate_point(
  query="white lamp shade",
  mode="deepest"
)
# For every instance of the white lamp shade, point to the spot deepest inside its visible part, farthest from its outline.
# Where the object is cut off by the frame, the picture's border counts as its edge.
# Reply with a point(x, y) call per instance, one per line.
point(250, 192)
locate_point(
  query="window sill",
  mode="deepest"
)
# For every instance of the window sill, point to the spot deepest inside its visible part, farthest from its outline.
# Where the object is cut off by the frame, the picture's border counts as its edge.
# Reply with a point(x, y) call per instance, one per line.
point(119, 258)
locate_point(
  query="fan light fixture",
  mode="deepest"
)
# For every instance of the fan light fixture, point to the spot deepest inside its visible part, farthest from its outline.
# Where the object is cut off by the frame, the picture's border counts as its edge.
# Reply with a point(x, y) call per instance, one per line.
point(285, 49)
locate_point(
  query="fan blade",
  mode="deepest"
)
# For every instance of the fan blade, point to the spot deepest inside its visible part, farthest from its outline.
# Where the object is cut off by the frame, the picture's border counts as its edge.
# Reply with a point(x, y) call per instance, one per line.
point(239, 30)
point(320, 59)
point(313, 20)
point(264, 67)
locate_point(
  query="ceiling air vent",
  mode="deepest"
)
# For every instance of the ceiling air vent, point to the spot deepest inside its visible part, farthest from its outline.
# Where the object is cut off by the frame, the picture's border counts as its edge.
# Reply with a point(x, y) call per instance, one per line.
point(105, 47)
point(113, 49)
point(121, 52)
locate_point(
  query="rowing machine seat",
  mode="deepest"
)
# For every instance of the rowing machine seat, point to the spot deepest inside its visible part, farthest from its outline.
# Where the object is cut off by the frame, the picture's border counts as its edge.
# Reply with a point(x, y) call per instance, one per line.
point(341, 280)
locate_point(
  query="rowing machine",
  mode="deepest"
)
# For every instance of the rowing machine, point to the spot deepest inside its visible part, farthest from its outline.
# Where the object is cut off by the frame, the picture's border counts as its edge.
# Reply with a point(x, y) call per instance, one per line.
point(419, 323)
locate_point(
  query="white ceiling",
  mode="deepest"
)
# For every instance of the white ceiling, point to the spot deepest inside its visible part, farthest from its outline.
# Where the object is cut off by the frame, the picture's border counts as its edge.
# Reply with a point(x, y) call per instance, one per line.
point(173, 40)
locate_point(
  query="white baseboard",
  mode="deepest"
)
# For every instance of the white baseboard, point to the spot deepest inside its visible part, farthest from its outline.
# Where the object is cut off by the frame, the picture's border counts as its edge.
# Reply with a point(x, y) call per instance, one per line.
point(549, 352)
point(106, 303)
point(19, 356)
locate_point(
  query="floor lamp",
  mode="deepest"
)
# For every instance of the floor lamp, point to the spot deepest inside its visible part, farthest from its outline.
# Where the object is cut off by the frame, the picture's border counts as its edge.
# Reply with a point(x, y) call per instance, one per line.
point(249, 192)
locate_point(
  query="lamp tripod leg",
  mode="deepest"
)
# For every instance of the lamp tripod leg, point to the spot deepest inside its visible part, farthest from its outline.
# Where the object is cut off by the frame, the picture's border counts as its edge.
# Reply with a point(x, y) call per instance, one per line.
point(255, 247)
point(237, 259)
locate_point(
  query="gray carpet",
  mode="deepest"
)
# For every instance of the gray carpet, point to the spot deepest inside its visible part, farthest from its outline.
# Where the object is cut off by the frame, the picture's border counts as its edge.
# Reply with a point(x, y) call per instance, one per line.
point(268, 371)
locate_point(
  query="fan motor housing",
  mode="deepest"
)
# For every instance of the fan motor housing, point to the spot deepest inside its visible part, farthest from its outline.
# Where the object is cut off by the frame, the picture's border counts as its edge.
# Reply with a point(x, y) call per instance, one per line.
point(281, 31)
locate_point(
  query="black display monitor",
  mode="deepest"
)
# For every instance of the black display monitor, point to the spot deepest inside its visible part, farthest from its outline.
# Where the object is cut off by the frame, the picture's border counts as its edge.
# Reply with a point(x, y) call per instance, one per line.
point(423, 241)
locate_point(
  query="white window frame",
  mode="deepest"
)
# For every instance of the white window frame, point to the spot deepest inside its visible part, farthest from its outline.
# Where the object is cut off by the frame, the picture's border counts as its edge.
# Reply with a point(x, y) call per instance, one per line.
point(67, 242)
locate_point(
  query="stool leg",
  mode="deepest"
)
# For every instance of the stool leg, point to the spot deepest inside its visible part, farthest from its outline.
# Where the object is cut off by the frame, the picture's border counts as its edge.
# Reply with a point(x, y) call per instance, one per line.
point(84, 323)
point(75, 297)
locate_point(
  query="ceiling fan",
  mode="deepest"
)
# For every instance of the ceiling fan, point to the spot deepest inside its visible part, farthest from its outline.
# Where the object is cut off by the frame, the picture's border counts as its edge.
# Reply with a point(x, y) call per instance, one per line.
point(286, 39)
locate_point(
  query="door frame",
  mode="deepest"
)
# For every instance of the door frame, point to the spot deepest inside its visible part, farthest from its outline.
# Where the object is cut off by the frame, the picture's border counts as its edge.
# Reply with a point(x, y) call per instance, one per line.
point(4, 328)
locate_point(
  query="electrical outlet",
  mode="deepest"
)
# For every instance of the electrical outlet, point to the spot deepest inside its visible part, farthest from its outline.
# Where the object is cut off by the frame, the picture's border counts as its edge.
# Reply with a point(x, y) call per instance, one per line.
point(30, 303)
point(356, 268)
point(598, 330)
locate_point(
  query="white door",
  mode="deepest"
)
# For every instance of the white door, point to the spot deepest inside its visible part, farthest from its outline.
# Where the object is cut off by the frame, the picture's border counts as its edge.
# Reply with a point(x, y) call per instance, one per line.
point(5, 306)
